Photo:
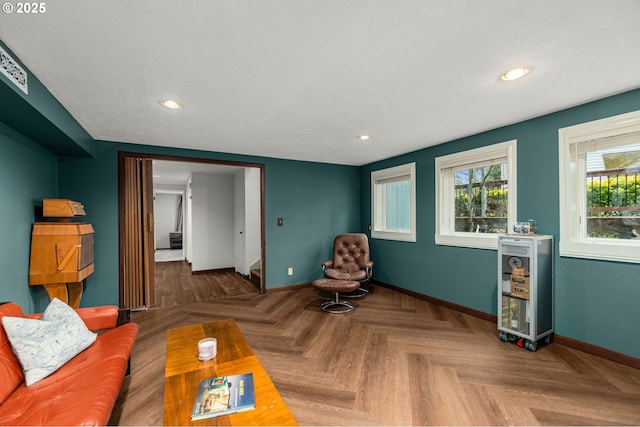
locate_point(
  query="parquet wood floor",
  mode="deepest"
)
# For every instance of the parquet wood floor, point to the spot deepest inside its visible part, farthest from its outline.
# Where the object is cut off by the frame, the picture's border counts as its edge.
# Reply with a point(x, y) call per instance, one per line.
point(396, 360)
point(177, 285)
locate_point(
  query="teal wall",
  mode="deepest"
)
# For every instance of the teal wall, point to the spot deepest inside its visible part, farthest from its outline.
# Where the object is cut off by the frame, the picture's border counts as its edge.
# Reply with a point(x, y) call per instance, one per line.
point(595, 301)
point(28, 173)
point(316, 200)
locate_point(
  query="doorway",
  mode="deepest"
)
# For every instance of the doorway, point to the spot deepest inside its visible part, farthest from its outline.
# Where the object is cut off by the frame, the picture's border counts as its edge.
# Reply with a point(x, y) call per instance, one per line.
point(168, 209)
point(210, 187)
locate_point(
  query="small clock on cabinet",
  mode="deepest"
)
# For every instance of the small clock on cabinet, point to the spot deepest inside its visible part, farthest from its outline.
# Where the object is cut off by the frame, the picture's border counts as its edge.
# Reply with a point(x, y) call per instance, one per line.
point(515, 262)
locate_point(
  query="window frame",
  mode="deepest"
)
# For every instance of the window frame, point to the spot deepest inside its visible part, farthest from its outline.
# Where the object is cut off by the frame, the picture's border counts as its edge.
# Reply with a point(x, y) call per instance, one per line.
point(378, 205)
point(574, 242)
point(445, 193)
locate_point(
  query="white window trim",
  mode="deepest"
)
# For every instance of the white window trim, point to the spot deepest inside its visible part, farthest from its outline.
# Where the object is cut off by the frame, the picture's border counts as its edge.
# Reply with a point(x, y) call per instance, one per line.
point(573, 240)
point(445, 220)
point(386, 174)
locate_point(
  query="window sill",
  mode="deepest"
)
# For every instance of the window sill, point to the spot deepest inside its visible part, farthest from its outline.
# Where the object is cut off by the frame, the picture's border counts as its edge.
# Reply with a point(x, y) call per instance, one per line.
point(607, 250)
point(469, 240)
point(394, 235)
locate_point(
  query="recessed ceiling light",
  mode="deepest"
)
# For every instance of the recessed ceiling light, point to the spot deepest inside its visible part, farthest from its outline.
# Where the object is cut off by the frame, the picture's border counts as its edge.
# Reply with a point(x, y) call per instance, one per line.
point(174, 105)
point(515, 73)
point(364, 137)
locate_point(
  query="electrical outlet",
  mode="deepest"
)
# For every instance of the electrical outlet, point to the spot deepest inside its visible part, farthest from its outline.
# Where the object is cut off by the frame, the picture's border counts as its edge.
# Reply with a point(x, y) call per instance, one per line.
point(290, 271)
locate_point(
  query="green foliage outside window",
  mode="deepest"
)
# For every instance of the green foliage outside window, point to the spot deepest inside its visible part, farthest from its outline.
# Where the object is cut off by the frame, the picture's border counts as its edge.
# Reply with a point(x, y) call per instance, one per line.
point(613, 205)
point(619, 191)
point(496, 203)
point(481, 193)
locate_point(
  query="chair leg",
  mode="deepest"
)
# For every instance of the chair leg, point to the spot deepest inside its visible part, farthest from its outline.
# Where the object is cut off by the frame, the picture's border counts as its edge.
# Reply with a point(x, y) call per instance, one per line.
point(333, 306)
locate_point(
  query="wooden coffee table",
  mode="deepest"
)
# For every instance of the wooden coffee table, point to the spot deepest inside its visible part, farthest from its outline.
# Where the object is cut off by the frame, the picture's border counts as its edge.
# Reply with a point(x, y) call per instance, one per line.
point(183, 372)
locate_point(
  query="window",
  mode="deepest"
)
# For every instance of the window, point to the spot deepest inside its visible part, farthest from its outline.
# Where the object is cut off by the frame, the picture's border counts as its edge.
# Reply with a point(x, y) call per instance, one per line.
point(476, 196)
point(600, 189)
point(393, 203)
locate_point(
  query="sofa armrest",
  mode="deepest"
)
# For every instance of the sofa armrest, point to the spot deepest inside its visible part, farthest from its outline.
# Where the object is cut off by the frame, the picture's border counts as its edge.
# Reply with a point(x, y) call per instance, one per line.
point(96, 318)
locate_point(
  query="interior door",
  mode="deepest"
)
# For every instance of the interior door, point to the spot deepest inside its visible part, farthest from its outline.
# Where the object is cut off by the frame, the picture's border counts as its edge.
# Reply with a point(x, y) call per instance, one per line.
point(137, 264)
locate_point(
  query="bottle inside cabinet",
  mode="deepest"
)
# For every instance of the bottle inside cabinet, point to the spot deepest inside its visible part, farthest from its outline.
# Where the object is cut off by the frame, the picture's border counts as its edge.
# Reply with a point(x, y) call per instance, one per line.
point(515, 314)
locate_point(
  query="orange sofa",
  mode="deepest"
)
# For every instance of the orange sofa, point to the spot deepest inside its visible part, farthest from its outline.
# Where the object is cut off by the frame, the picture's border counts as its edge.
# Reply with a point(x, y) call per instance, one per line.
point(81, 392)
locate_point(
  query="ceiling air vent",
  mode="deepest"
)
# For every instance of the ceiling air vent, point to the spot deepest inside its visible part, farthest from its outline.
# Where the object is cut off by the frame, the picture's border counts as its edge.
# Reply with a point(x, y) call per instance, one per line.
point(10, 68)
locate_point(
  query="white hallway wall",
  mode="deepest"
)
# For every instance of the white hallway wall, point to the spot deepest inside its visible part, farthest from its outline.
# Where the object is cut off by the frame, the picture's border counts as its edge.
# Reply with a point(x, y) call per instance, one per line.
point(252, 215)
point(212, 216)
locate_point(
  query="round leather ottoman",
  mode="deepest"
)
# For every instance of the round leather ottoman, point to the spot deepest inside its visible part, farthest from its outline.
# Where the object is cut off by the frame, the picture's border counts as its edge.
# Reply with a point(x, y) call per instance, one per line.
point(336, 306)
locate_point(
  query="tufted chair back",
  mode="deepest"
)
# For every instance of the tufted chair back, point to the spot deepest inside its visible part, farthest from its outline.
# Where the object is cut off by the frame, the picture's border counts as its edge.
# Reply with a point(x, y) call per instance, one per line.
point(350, 252)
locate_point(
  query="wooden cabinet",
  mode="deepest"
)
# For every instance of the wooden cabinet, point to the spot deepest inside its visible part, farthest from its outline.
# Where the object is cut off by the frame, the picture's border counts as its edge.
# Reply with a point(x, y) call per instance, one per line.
point(61, 252)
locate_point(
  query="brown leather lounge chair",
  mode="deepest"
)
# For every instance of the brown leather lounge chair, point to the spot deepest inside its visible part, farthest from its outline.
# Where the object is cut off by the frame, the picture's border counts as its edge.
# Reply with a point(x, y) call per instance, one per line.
point(351, 262)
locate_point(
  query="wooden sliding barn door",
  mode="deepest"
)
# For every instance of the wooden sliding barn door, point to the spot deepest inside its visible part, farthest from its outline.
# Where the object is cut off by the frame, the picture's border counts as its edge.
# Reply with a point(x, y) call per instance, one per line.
point(137, 263)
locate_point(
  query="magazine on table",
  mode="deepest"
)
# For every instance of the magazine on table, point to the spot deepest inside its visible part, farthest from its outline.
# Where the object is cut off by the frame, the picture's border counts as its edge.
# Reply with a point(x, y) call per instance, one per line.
point(224, 396)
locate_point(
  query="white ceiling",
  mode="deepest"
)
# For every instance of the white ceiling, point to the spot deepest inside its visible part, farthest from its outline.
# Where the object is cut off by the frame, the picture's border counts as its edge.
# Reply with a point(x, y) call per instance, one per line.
point(301, 79)
point(170, 172)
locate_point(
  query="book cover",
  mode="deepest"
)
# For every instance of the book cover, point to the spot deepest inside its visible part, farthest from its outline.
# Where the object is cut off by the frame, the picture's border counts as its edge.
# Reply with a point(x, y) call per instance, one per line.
point(224, 396)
